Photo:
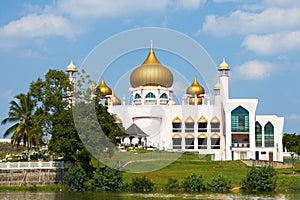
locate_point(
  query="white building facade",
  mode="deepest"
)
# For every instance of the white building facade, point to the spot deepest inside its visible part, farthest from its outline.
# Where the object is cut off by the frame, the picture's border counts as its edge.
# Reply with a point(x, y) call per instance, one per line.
point(229, 129)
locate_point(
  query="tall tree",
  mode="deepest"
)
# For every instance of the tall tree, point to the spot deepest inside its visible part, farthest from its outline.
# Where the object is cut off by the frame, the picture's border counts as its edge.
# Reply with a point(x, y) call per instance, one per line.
point(21, 113)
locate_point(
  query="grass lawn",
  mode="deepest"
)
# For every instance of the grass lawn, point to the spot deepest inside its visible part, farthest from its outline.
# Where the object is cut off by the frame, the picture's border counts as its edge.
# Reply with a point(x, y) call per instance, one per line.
point(235, 171)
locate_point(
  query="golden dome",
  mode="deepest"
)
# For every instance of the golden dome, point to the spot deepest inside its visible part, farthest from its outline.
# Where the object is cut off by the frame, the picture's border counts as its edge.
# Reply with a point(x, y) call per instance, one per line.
point(105, 90)
point(151, 73)
point(192, 101)
point(224, 66)
point(114, 99)
point(71, 67)
point(217, 86)
point(195, 88)
point(176, 120)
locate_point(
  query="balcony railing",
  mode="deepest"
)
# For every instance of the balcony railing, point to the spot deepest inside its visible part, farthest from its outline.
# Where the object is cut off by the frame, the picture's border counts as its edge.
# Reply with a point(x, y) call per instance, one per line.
point(213, 130)
point(177, 146)
point(203, 130)
point(189, 130)
point(177, 130)
point(202, 146)
point(240, 145)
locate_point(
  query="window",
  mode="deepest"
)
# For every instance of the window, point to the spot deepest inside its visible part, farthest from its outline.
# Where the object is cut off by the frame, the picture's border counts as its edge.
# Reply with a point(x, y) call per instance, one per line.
point(240, 120)
point(150, 99)
point(215, 141)
point(137, 99)
point(269, 135)
point(189, 141)
point(202, 141)
point(137, 96)
point(163, 99)
point(258, 135)
point(177, 141)
point(202, 124)
point(215, 124)
point(189, 125)
point(176, 123)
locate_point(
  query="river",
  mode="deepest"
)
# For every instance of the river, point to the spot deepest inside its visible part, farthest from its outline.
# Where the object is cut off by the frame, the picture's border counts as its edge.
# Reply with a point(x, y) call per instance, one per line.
point(128, 196)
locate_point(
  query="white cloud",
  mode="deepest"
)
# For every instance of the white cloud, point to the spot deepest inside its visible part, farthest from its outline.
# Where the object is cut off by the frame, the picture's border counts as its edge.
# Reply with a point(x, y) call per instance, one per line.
point(32, 26)
point(107, 8)
point(294, 117)
point(243, 23)
point(272, 43)
point(255, 70)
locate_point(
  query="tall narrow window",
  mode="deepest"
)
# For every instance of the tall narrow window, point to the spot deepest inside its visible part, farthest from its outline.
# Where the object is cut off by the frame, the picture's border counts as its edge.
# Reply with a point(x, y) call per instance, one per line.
point(189, 141)
point(189, 125)
point(150, 99)
point(177, 141)
point(215, 125)
point(269, 135)
point(137, 99)
point(215, 141)
point(176, 123)
point(240, 120)
point(163, 99)
point(202, 141)
point(258, 135)
point(202, 124)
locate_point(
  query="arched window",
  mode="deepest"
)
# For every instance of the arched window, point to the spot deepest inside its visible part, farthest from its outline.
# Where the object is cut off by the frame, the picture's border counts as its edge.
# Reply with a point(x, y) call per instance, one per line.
point(189, 141)
point(269, 135)
point(215, 141)
point(137, 96)
point(176, 123)
point(202, 141)
point(215, 125)
point(240, 120)
point(150, 95)
point(258, 135)
point(137, 99)
point(189, 125)
point(202, 124)
point(177, 141)
point(163, 99)
point(150, 99)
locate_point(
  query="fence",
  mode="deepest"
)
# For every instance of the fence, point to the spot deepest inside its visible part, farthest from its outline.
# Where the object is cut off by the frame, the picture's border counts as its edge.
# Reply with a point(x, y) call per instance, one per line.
point(32, 165)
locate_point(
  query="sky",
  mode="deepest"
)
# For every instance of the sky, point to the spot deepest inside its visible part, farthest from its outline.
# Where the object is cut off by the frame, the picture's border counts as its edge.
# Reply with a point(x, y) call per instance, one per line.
point(260, 40)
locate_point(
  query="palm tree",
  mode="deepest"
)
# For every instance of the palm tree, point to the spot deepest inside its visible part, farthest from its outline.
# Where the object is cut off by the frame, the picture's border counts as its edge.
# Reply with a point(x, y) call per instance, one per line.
point(20, 113)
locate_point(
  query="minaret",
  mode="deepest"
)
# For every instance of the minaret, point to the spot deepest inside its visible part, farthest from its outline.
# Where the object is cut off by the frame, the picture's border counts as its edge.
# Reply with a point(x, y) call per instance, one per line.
point(224, 69)
point(71, 70)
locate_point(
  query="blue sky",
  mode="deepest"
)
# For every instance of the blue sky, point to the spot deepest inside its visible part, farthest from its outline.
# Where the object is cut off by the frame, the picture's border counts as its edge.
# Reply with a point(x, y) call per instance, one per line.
point(260, 40)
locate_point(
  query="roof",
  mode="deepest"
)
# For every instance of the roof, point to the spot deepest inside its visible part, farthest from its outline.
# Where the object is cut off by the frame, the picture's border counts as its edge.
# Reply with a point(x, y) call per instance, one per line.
point(134, 130)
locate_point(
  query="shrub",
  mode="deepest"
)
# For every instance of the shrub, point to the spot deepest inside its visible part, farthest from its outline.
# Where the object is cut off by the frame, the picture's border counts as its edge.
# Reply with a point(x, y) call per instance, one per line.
point(107, 180)
point(75, 179)
point(260, 179)
point(142, 184)
point(193, 183)
point(219, 184)
point(172, 184)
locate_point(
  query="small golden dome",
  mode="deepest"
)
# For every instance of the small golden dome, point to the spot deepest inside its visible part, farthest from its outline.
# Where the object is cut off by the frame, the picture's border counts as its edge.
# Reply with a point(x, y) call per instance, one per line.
point(105, 90)
point(202, 119)
point(71, 67)
point(114, 99)
point(189, 120)
point(173, 103)
point(214, 120)
point(224, 66)
point(151, 73)
point(195, 88)
point(193, 99)
point(176, 120)
point(118, 120)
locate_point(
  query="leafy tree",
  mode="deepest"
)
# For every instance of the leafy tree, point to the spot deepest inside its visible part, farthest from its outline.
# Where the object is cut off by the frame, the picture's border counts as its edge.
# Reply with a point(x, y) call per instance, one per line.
point(260, 179)
point(194, 183)
point(219, 184)
point(142, 184)
point(21, 113)
point(107, 180)
point(291, 142)
point(75, 179)
point(172, 184)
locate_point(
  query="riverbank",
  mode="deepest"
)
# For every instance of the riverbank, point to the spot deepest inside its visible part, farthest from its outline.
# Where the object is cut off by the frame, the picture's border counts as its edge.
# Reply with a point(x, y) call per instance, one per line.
point(234, 171)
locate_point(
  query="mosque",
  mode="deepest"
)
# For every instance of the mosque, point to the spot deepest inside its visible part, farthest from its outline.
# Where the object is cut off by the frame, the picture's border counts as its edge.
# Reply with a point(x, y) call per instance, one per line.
point(228, 129)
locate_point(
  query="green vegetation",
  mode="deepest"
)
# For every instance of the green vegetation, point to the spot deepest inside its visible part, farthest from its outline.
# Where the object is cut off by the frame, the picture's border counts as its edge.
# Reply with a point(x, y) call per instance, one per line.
point(75, 179)
point(194, 183)
point(260, 179)
point(142, 184)
point(219, 184)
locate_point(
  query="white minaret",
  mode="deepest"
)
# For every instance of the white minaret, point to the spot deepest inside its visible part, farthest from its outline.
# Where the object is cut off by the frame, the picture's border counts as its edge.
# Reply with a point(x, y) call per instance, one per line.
point(224, 69)
point(71, 70)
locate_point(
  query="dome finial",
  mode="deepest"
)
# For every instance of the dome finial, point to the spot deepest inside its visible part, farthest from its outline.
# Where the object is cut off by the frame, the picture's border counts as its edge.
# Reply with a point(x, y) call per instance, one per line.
point(71, 67)
point(224, 65)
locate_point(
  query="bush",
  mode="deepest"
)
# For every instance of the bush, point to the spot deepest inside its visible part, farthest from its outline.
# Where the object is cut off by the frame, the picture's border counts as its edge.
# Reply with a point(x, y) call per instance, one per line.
point(142, 184)
point(172, 184)
point(260, 179)
point(193, 183)
point(75, 179)
point(106, 180)
point(219, 184)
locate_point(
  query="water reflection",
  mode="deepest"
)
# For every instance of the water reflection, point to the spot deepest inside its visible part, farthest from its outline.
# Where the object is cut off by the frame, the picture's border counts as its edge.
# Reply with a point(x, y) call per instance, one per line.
point(124, 196)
